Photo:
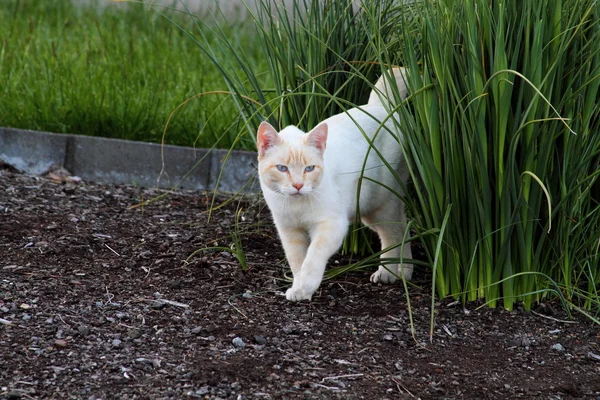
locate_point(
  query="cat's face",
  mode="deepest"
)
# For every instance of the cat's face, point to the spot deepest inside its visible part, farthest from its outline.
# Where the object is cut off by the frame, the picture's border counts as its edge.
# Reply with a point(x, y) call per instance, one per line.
point(290, 162)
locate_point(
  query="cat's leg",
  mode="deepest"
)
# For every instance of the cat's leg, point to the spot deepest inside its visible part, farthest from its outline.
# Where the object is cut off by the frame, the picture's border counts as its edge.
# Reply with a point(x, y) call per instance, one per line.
point(326, 239)
point(390, 230)
point(295, 243)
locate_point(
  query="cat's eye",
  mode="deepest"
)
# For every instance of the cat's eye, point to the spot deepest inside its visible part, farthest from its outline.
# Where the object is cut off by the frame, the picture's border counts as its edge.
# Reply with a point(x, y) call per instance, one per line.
point(310, 168)
point(282, 168)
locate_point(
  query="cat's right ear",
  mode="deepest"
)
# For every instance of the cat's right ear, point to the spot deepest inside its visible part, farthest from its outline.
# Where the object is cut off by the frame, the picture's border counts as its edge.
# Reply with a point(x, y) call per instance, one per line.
point(267, 137)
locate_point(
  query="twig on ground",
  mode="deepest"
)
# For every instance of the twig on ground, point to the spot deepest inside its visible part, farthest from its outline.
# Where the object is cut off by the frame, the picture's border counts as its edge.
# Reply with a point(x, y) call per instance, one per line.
point(108, 247)
point(401, 387)
point(170, 302)
point(552, 318)
point(329, 387)
point(63, 321)
point(447, 331)
point(365, 349)
point(109, 295)
point(236, 309)
point(328, 378)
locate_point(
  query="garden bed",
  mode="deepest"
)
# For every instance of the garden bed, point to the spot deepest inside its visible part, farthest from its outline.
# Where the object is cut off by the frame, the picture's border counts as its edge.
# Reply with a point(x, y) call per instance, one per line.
point(96, 302)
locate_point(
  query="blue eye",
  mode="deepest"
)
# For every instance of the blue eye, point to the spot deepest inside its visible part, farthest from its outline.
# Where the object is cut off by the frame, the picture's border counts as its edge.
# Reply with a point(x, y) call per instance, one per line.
point(282, 168)
point(310, 168)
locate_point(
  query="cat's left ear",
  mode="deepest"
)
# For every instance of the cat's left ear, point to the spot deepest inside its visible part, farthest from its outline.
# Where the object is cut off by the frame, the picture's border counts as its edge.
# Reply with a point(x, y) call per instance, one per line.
point(318, 137)
point(266, 137)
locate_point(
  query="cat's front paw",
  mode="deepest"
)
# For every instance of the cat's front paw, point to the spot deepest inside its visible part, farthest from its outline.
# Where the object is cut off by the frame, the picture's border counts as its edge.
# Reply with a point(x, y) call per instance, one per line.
point(302, 289)
point(295, 294)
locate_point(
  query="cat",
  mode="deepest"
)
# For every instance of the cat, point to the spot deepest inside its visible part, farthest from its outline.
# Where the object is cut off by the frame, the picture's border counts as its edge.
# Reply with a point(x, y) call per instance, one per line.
point(310, 183)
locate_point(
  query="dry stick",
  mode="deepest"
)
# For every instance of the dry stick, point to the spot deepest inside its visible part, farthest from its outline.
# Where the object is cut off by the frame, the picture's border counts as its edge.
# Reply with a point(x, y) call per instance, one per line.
point(341, 376)
point(401, 387)
point(63, 321)
point(398, 384)
point(334, 388)
point(169, 302)
point(109, 295)
point(234, 306)
point(552, 318)
point(112, 250)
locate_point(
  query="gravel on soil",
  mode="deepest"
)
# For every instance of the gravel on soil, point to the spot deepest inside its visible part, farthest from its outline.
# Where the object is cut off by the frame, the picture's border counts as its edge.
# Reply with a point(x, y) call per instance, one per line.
point(97, 302)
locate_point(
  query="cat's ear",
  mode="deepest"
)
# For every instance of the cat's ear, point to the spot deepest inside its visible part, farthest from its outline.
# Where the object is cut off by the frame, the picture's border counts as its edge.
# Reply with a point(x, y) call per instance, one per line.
point(318, 137)
point(267, 137)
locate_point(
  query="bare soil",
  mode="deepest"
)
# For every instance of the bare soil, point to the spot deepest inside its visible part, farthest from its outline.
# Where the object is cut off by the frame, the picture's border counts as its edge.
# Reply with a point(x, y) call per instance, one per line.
point(96, 302)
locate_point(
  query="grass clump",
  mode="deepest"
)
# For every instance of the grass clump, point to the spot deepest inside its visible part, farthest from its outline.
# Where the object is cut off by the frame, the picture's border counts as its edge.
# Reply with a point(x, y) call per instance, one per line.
point(107, 69)
point(316, 61)
point(505, 131)
point(500, 135)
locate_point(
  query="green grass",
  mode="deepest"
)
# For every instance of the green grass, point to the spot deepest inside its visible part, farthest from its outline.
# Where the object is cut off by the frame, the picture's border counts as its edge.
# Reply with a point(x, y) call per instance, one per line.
point(501, 133)
point(114, 71)
point(504, 131)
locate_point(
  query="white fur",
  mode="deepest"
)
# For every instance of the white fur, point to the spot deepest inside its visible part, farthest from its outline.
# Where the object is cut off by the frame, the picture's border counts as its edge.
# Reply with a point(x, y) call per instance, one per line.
point(313, 221)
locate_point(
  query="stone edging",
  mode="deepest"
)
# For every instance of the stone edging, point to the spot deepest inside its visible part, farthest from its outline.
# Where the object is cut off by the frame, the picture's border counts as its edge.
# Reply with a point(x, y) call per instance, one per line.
point(126, 162)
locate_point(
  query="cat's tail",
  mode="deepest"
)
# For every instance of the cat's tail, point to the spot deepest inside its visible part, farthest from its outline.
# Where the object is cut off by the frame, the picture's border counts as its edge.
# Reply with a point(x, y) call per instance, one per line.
point(383, 94)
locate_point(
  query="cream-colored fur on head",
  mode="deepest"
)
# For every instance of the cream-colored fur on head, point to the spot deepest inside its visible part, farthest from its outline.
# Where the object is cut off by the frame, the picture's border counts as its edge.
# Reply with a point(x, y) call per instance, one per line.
point(296, 152)
point(310, 182)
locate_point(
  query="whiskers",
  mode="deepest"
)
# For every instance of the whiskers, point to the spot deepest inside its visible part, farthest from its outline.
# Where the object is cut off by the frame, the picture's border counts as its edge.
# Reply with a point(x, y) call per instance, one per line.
point(316, 195)
point(309, 198)
point(284, 198)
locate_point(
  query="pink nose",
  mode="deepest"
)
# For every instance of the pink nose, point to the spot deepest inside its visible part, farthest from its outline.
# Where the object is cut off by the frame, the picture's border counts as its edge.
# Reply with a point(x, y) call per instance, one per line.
point(298, 186)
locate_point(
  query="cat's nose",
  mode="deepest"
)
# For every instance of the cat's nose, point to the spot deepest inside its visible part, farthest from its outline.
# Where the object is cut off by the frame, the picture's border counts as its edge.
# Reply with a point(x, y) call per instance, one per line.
point(298, 186)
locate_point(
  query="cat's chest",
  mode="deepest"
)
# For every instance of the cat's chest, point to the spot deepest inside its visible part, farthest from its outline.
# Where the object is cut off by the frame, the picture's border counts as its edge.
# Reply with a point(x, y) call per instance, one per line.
point(301, 212)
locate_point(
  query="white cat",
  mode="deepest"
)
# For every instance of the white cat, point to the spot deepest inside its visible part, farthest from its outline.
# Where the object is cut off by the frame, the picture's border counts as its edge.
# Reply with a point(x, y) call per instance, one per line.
point(310, 182)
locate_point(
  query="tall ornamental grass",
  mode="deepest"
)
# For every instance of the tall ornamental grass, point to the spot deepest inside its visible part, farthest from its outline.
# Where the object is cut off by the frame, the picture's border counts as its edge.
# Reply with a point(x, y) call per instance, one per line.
point(505, 134)
point(501, 128)
point(318, 61)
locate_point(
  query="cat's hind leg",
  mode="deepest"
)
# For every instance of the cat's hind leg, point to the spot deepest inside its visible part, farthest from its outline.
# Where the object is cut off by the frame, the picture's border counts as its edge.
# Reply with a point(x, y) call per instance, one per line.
point(391, 233)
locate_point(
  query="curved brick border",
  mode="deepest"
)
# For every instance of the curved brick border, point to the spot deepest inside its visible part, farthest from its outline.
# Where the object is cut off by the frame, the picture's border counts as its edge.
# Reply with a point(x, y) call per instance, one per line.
point(125, 162)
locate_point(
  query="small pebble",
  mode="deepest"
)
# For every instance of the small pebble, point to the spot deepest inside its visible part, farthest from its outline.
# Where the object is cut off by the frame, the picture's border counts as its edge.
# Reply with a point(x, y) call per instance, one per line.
point(116, 342)
point(134, 333)
point(197, 330)
point(260, 340)
point(557, 347)
point(60, 343)
point(238, 342)
point(158, 305)
point(83, 330)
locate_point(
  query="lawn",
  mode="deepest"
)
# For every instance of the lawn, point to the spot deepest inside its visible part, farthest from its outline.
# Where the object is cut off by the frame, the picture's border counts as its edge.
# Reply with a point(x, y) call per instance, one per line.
point(114, 70)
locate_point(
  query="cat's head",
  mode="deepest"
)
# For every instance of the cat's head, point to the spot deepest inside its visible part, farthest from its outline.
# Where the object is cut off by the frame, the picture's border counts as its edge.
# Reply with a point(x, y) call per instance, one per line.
point(290, 162)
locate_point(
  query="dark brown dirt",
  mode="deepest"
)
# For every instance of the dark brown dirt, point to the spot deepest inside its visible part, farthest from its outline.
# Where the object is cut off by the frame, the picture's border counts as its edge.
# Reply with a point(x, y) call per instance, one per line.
point(96, 303)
